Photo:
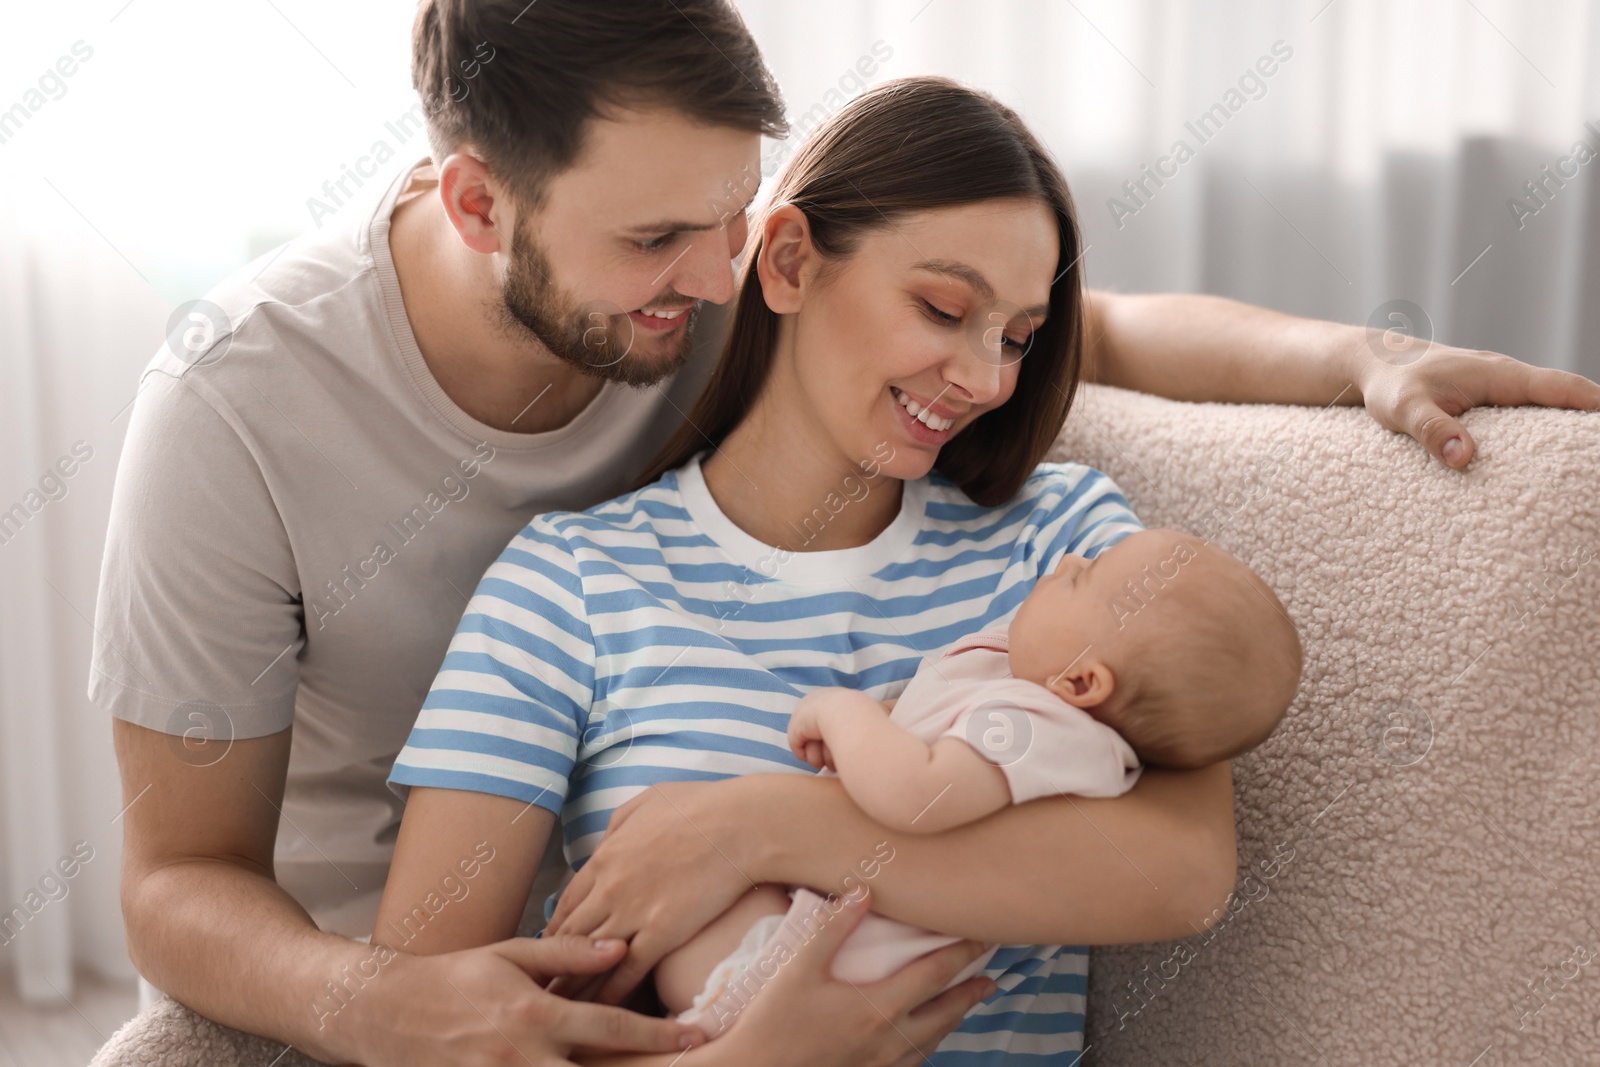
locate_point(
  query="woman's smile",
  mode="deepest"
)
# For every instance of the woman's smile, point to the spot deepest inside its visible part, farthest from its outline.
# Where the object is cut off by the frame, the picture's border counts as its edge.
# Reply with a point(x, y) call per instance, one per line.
point(923, 423)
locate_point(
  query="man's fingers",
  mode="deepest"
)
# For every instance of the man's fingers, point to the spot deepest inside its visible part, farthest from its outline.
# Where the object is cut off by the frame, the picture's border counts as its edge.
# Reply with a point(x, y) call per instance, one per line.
point(563, 985)
point(624, 979)
point(1508, 382)
point(1561, 389)
point(545, 957)
point(604, 1027)
point(575, 986)
point(1444, 438)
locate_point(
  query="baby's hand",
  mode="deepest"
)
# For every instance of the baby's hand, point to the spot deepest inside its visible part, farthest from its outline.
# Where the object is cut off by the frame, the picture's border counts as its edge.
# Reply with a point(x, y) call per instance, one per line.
point(838, 705)
point(805, 731)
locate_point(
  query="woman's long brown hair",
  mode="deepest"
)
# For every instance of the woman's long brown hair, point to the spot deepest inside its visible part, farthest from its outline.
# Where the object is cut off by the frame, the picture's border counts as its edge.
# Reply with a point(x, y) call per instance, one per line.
point(904, 146)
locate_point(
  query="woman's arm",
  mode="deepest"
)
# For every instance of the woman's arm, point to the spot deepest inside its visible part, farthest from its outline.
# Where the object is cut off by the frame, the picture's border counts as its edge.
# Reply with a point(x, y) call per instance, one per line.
point(454, 847)
point(1149, 865)
point(1207, 348)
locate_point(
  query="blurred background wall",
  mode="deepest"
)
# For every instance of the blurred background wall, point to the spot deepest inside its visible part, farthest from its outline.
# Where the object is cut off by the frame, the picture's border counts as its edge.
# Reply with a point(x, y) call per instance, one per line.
point(1338, 156)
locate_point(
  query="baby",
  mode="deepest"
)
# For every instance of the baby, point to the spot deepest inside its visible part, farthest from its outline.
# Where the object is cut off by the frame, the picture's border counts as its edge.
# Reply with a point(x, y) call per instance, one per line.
point(1162, 649)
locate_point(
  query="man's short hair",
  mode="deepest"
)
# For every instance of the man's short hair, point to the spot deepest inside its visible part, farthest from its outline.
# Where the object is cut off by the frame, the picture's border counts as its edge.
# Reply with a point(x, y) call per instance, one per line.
point(518, 81)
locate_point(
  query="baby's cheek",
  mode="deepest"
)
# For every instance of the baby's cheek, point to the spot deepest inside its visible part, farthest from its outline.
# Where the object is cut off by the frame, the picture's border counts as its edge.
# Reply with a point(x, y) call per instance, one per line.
point(1029, 639)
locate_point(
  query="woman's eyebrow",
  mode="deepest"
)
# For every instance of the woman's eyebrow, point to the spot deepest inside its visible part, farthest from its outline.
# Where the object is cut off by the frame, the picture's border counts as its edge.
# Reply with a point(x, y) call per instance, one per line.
point(979, 284)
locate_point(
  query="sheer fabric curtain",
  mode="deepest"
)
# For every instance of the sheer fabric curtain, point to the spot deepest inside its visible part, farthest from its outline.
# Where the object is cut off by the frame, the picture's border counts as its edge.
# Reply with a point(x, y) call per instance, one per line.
point(162, 143)
point(1374, 163)
point(147, 149)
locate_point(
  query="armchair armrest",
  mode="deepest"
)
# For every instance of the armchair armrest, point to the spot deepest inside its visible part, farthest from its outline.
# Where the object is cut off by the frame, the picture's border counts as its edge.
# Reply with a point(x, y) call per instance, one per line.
point(1416, 842)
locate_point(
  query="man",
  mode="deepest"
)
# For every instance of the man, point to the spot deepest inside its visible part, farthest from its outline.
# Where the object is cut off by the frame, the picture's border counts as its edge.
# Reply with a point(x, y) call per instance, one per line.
point(316, 475)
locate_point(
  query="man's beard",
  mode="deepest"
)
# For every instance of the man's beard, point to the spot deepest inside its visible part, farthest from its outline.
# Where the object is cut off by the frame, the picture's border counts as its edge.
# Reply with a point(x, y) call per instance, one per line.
point(597, 338)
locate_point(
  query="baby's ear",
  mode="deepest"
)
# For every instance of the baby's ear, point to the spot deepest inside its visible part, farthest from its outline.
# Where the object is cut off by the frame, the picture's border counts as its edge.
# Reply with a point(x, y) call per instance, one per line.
point(1086, 683)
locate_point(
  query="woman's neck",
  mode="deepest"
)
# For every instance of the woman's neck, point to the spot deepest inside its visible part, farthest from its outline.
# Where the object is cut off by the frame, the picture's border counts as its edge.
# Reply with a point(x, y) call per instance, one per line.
point(781, 479)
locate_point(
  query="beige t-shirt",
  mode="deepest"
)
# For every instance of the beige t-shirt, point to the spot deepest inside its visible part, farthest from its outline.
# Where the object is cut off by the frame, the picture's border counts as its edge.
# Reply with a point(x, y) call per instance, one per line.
point(300, 515)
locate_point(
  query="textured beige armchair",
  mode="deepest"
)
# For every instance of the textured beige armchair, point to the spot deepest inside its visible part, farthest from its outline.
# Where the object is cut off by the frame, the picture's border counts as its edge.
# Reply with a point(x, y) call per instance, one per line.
point(1419, 844)
point(1418, 872)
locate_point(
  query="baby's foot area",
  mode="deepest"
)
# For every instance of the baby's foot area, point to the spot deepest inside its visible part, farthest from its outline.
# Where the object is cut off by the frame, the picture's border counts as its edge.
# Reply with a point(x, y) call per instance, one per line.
point(732, 982)
point(681, 974)
point(875, 949)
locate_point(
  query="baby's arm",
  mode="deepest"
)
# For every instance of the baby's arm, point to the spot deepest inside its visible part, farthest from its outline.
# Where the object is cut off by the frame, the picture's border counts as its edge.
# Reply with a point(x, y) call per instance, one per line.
point(892, 775)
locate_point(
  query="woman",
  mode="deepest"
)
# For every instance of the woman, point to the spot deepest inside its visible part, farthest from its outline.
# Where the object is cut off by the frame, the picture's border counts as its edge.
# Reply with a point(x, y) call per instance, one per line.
point(906, 345)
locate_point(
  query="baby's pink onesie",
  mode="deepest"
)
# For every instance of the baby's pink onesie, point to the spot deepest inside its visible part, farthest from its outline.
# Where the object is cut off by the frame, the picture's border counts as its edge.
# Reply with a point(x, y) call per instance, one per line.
point(1043, 745)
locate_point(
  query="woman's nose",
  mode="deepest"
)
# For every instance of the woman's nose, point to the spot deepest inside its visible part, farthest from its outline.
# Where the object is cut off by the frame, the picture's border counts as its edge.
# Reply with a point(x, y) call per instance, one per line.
point(975, 372)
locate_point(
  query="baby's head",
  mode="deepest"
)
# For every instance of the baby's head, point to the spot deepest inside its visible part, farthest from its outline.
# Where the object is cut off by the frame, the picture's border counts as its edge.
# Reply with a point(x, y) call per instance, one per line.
point(1169, 640)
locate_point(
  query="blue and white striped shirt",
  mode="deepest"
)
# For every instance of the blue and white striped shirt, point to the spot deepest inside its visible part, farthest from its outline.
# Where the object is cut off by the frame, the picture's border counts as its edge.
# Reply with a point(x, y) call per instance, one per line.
point(650, 639)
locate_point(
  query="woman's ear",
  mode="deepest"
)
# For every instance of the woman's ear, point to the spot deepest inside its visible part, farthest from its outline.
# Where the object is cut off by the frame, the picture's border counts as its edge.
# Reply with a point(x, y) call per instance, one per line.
point(785, 252)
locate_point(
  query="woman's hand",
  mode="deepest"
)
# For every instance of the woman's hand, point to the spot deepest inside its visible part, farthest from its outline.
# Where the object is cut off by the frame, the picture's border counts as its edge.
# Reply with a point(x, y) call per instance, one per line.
point(804, 1016)
point(670, 862)
point(1422, 395)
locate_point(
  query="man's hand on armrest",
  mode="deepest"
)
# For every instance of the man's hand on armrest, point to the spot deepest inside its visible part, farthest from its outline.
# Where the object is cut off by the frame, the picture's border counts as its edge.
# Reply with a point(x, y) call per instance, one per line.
point(1189, 346)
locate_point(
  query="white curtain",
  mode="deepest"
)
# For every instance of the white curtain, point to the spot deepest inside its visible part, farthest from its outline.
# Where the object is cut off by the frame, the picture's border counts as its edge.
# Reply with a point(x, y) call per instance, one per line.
point(146, 150)
point(1378, 161)
point(1374, 164)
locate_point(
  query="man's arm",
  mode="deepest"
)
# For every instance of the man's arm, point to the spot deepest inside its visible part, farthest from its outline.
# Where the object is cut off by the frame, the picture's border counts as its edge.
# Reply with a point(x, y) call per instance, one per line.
point(197, 596)
point(205, 921)
point(207, 924)
point(1189, 346)
point(1207, 348)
